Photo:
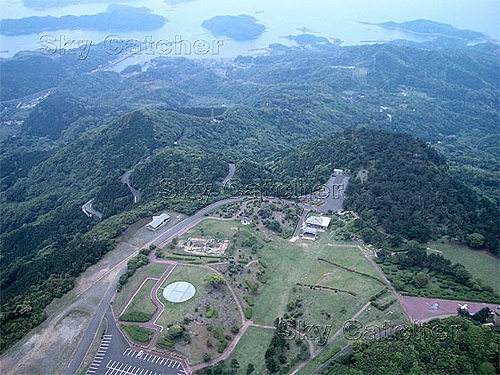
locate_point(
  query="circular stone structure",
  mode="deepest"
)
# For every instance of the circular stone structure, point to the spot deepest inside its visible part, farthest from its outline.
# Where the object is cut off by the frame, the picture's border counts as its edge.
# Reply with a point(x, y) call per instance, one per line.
point(179, 291)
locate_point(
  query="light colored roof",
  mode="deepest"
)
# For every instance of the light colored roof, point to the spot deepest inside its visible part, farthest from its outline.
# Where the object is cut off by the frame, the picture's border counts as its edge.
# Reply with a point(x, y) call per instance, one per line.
point(158, 220)
point(319, 220)
point(246, 219)
point(310, 230)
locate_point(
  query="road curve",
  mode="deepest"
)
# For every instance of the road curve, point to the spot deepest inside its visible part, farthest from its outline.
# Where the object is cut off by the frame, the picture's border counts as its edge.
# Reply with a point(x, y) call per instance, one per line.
point(92, 328)
point(230, 175)
point(89, 334)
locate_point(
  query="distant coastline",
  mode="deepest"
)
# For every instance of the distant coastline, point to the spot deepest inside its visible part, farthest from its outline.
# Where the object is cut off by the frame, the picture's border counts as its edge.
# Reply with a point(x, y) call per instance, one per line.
point(116, 18)
point(432, 29)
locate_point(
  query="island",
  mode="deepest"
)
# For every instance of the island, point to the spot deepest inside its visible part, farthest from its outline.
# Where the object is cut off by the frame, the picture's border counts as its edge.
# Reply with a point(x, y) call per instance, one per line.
point(44, 4)
point(312, 40)
point(116, 18)
point(242, 27)
point(428, 27)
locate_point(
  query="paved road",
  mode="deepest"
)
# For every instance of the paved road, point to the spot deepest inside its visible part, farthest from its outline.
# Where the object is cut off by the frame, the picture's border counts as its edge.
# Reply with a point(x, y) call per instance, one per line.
point(125, 179)
point(115, 356)
point(296, 233)
point(188, 221)
point(88, 337)
point(91, 331)
point(230, 175)
point(89, 210)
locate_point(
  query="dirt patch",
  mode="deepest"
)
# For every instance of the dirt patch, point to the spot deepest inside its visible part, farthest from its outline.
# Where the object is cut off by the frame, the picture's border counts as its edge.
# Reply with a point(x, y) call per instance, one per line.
point(70, 326)
point(44, 352)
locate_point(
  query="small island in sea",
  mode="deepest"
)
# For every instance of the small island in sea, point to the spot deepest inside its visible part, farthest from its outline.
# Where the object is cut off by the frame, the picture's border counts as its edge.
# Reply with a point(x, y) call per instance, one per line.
point(45, 4)
point(432, 28)
point(115, 18)
point(313, 40)
point(242, 27)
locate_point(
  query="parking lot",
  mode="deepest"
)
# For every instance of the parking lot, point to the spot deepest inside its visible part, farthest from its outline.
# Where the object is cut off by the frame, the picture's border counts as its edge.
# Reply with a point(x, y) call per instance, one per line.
point(116, 357)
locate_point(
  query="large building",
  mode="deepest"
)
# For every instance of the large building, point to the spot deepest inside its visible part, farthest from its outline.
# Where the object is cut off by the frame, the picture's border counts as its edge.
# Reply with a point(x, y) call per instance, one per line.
point(318, 222)
point(158, 221)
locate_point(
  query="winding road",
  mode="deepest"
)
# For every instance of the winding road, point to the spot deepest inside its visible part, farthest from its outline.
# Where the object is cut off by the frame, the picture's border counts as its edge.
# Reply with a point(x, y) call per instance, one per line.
point(125, 179)
point(163, 238)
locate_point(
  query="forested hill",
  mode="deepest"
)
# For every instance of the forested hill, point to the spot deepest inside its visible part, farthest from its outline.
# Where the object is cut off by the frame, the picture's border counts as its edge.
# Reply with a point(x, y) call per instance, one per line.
point(460, 347)
point(448, 98)
point(407, 189)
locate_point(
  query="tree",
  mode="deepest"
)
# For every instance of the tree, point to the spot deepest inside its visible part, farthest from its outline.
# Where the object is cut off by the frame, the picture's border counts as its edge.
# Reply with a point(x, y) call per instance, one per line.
point(250, 369)
point(271, 365)
point(215, 279)
point(475, 240)
point(206, 357)
point(235, 365)
point(421, 279)
point(462, 276)
point(175, 331)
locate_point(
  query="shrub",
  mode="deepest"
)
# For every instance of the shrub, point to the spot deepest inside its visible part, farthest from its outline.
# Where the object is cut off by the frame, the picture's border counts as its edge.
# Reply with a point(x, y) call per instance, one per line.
point(135, 316)
point(248, 313)
point(222, 346)
point(166, 341)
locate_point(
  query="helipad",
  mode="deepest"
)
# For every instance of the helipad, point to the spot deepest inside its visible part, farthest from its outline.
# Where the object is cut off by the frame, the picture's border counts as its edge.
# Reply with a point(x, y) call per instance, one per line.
point(179, 291)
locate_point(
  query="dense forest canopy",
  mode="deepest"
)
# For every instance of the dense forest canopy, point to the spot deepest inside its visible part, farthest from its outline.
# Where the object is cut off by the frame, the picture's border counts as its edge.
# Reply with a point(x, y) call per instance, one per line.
point(460, 347)
point(273, 116)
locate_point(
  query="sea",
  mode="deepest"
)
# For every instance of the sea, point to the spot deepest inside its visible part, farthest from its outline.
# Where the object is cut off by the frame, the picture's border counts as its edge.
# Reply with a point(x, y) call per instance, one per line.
point(335, 19)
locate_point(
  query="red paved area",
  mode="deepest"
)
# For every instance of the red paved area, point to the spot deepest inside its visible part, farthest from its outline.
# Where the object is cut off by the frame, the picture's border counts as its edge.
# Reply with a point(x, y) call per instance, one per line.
point(418, 307)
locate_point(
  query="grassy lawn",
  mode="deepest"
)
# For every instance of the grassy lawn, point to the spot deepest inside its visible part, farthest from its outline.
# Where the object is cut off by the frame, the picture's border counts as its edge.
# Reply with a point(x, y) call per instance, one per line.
point(288, 263)
point(224, 314)
point(152, 269)
point(479, 264)
point(87, 361)
point(176, 311)
point(370, 319)
point(251, 349)
point(298, 262)
point(142, 302)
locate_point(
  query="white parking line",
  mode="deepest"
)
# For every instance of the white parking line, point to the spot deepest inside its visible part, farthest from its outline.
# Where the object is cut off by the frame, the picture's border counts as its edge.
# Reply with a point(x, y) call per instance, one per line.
point(168, 363)
point(178, 364)
point(126, 350)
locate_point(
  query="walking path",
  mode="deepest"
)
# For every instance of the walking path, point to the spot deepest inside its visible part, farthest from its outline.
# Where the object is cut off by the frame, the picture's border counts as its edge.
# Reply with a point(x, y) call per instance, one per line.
point(382, 275)
point(318, 351)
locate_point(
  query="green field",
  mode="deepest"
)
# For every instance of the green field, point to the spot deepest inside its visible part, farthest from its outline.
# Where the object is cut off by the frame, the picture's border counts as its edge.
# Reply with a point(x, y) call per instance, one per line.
point(251, 349)
point(142, 302)
point(479, 264)
point(152, 269)
point(288, 263)
point(176, 311)
point(224, 315)
point(298, 262)
point(292, 262)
